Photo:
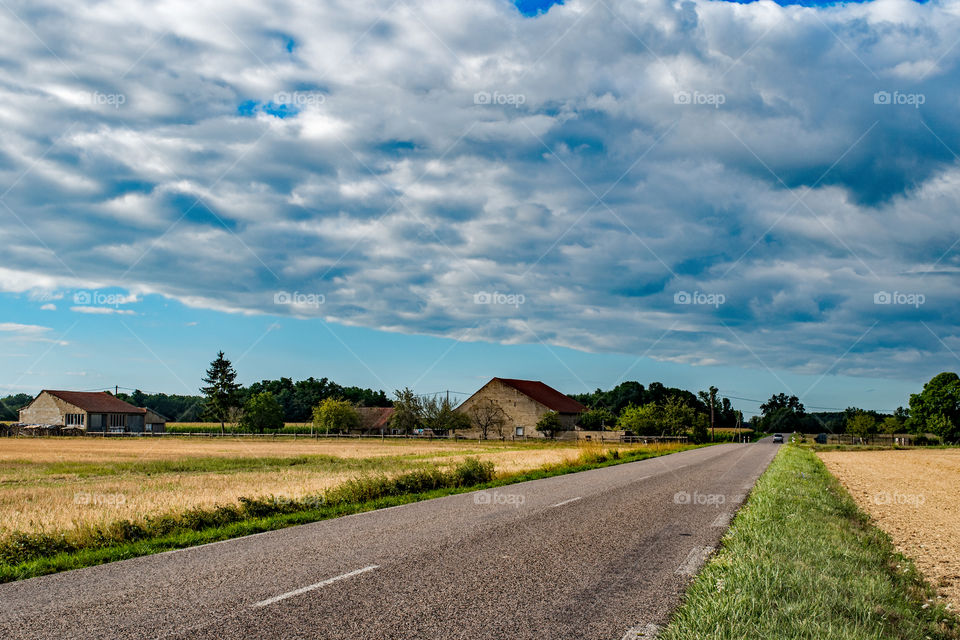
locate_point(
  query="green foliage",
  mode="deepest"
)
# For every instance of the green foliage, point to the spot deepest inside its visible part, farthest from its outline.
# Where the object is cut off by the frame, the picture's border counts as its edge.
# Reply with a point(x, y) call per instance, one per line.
point(640, 421)
point(597, 419)
point(222, 390)
point(549, 424)
point(862, 424)
point(936, 409)
point(335, 416)
point(407, 411)
point(10, 406)
point(440, 417)
point(261, 412)
point(801, 561)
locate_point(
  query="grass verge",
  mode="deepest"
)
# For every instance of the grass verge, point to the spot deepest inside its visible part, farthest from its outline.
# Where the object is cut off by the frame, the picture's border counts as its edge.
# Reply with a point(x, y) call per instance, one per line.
point(802, 561)
point(28, 555)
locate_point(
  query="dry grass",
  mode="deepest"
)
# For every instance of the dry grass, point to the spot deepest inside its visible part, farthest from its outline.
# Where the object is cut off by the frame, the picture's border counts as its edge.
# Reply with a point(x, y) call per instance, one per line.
point(49, 484)
point(912, 495)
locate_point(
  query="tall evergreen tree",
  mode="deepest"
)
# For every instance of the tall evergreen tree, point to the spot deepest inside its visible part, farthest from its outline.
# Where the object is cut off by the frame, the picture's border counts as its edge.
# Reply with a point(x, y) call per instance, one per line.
point(222, 391)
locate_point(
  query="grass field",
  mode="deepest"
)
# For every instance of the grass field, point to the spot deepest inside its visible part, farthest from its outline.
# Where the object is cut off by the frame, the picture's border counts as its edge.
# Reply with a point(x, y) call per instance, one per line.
point(912, 495)
point(73, 502)
point(801, 561)
point(54, 484)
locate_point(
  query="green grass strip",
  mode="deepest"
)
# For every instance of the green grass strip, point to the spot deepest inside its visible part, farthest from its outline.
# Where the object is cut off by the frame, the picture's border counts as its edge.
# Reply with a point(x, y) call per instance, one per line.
point(29, 555)
point(802, 561)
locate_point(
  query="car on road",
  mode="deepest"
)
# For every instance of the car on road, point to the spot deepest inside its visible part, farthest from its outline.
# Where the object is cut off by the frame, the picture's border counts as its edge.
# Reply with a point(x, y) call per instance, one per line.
point(778, 438)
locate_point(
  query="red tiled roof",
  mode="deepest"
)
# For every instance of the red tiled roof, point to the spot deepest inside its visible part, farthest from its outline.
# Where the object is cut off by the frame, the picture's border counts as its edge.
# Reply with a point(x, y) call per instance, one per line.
point(95, 401)
point(545, 395)
point(375, 417)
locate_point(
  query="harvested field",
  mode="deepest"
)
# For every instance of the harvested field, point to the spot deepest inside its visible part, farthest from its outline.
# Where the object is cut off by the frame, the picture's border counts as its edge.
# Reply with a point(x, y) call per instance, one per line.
point(51, 484)
point(912, 495)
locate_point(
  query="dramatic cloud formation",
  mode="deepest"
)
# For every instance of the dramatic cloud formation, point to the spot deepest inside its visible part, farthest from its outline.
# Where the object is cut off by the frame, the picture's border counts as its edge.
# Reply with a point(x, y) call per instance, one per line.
point(697, 181)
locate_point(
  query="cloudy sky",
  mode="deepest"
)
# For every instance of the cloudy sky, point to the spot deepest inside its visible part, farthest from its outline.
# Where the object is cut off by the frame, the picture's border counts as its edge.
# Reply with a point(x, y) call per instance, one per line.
point(433, 192)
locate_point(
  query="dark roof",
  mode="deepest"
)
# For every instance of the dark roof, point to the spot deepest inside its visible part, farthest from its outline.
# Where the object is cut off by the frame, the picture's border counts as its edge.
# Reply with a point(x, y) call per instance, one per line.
point(95, 401)
point(545, 395)
point(375, 417)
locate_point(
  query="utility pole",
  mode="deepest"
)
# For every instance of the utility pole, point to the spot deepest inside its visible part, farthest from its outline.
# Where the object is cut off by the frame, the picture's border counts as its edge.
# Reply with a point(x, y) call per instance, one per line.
point(713, 401)
point(116, 390)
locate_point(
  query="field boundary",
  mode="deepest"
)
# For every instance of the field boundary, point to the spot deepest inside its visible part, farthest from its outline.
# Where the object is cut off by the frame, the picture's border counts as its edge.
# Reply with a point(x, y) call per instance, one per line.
point(800, 561)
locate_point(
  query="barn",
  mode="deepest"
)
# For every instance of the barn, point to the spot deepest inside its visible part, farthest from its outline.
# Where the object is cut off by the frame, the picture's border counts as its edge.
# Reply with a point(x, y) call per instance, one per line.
point(94, 412)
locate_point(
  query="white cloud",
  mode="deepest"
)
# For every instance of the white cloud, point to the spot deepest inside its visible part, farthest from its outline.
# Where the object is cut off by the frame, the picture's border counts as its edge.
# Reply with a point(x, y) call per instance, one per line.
point(103, 311)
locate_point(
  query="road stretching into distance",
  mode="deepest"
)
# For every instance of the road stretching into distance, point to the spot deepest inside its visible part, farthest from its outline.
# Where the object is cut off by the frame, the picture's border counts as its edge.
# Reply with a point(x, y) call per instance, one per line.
point(602, 554)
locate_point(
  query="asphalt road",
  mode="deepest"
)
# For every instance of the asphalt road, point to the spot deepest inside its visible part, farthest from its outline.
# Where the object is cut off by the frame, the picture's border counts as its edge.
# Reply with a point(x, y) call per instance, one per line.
point(599, 554)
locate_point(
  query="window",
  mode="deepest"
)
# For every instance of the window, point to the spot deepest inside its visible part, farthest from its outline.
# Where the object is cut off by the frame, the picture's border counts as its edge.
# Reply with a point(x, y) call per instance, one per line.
point(74, 419)
point(519, 431)
point(117, 420)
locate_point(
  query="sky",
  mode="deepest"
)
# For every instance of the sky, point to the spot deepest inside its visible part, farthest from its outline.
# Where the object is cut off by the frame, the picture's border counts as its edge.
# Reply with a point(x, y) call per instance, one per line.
point(758, 196)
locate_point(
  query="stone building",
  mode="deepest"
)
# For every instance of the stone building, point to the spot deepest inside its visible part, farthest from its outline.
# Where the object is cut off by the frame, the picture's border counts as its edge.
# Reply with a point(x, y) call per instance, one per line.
point(91, 411)
point(524, 402)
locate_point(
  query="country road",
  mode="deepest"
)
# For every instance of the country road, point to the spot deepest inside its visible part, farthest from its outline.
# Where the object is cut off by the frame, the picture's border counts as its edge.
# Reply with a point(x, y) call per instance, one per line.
point(599, 554)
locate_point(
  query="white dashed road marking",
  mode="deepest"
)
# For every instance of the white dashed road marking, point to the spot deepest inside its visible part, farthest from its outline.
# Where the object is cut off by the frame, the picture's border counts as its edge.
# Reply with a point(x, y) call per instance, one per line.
point(296, 592)
point(560, 504)
point(694, 560)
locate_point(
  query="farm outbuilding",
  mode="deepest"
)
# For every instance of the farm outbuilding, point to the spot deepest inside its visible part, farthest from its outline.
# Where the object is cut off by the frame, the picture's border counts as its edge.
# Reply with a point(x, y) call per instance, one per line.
point(91, 412)
point(523, 403)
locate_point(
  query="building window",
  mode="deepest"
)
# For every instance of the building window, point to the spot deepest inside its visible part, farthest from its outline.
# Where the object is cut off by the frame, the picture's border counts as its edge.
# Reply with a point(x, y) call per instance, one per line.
point(117, 420)
point(74, 419)
point(519, 431)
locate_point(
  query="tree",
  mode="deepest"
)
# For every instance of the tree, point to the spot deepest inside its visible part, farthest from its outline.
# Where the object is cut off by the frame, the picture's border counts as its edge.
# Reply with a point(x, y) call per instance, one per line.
point(221, 391)
point(709, 398)
point(640, 421)
point(891, 424)
point(549, 424)
point(862, 424)
point(333, 415)
point(407, 411)
point(262, 411)
point(782, 401)
point(440, 416)
point(936, 409)
point(597, 419)
point(486, 416)
point(782, 413)
point(699, 434)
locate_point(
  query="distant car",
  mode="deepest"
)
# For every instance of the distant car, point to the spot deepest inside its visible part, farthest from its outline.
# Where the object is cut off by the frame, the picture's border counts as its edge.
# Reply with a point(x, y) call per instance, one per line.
point(778, 438)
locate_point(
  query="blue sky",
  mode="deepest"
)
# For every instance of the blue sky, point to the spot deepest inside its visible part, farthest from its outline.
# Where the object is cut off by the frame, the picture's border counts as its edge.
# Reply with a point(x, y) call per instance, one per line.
point(756, 196)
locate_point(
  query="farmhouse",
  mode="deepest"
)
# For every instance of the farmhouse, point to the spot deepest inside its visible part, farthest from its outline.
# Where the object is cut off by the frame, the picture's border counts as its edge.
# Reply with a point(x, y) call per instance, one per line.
point(91, 411)
point(523, 403)
point(375, 421)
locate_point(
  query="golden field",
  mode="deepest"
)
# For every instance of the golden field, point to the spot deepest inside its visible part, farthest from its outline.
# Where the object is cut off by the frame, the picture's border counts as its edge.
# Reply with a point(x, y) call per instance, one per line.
point(51, 484)
point(912, 495)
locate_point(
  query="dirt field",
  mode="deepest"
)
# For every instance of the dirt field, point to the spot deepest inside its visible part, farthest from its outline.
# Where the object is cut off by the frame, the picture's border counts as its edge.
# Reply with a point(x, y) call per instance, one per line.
point(912, 495)
point(61, 483)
